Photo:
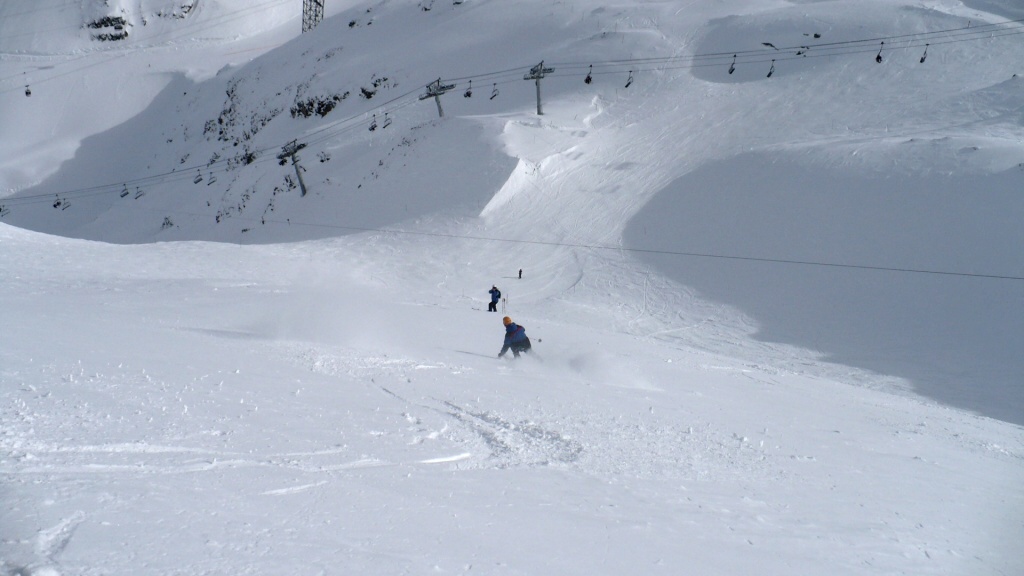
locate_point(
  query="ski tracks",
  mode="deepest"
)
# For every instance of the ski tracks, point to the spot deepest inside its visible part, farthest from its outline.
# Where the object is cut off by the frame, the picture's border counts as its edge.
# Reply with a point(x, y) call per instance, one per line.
point(490, 438)
point(597, 442)
point(52, 541)
point(517, 443)
point(505, 430)
point(49, 544)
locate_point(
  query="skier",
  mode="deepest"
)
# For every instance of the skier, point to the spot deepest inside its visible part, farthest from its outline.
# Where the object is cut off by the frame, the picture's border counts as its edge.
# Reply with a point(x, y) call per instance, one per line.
point(495, 296)
point(515, 338)
point(520, 273)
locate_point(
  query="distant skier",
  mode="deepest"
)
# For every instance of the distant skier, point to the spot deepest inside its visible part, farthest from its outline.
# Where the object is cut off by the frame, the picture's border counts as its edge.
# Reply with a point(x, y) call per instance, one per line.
point(515, 338)
point(495, 296)
point(520, 273)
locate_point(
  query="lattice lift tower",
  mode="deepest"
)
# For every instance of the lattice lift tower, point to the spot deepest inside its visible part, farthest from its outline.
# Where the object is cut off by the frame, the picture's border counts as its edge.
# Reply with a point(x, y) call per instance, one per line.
point(312, 14)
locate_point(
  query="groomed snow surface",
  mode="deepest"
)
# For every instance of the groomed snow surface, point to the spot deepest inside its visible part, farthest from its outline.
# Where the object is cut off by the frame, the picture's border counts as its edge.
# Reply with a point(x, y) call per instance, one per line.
point(778, 322)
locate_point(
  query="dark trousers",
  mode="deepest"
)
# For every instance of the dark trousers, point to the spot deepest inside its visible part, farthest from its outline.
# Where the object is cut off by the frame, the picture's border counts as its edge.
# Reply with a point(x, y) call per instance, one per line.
point(518, 347)
point(492, 307)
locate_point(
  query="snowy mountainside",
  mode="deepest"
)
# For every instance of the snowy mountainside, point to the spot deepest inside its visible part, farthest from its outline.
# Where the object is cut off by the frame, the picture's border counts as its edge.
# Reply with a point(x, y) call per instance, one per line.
point(203, 158)
point(326, 87)
point(771, 269)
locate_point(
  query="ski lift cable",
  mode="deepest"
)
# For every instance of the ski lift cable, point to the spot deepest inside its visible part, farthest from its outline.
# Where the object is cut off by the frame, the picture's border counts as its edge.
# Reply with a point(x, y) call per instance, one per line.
point(962, 34)
point(178, 174)
point(262, 156)
point(346, 124)
point(767, 57)
point(975, 32)
point(182, 174)
point(978, 30)
point(679, 253)
point(760, 56)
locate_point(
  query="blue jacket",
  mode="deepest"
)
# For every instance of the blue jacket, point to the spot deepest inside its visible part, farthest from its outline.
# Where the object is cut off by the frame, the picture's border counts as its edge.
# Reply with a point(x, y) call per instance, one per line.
point(514, 334)
point(515, 338)
point(495, 294)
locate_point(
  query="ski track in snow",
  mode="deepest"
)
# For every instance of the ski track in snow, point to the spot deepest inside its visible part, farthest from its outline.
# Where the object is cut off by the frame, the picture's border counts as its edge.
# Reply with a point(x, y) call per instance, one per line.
point(494, 437)
point(506, 436)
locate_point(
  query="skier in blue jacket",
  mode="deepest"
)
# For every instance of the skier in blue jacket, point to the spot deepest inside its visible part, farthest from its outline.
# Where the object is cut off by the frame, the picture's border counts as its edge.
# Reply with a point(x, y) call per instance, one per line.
point(515, 338)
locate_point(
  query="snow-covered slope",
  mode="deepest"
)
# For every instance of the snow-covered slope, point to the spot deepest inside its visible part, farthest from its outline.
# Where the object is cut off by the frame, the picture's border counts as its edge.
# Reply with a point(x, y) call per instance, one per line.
point(329, 406)
point(748, 290)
